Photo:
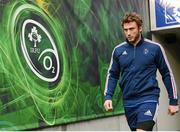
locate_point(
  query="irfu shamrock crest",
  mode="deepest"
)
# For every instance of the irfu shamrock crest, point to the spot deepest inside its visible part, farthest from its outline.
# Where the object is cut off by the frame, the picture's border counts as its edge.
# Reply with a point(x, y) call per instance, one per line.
point(34, 36)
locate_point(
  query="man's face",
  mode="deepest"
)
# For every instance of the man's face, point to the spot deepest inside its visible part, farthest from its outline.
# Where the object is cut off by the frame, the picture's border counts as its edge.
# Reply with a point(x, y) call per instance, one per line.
point(132, 32)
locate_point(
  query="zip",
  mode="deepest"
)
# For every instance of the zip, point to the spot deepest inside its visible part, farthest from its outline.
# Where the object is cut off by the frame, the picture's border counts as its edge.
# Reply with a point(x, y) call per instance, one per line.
point(134, 52)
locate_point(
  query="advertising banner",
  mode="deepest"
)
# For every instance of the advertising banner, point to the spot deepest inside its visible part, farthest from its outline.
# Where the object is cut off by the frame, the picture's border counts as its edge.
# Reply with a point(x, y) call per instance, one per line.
point(165, 14)
point(54, 57)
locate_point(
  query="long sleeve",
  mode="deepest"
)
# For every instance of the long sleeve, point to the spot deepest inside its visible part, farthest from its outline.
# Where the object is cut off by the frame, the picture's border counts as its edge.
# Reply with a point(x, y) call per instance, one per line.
point(112, 77)
point(167, 76)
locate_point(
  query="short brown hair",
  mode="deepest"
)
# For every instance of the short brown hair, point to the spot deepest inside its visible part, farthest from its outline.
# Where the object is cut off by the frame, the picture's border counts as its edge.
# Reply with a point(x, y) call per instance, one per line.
point(132, 17)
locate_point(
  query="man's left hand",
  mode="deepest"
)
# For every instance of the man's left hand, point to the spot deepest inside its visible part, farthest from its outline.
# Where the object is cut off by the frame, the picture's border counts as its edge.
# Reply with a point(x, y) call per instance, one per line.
point(173, 109)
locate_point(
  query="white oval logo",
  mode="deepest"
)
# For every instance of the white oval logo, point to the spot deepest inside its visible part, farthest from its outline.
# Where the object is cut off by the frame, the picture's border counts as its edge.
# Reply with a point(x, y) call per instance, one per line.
point(40, 51)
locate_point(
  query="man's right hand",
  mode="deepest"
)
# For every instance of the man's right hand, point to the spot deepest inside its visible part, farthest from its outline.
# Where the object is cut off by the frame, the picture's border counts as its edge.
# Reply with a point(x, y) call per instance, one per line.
point(108, 105)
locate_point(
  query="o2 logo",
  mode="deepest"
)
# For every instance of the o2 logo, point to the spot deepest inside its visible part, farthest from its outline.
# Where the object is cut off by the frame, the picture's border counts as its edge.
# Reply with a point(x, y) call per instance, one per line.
point(39, 50)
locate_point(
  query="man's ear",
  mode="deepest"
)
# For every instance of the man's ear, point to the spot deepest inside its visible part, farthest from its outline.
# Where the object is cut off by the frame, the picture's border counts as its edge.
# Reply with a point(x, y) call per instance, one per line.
point(140, 29)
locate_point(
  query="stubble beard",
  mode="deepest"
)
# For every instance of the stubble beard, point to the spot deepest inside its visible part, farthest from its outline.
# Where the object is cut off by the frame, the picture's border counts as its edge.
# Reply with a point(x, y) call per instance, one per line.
point(136, 39)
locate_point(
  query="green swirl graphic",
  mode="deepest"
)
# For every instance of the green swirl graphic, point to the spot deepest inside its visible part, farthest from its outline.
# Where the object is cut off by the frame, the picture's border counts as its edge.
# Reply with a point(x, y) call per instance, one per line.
point(7, 124)
point(45, 99)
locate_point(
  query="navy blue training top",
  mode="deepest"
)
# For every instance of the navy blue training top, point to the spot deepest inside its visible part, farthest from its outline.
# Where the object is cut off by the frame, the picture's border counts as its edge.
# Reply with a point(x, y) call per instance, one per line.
point(135, 67)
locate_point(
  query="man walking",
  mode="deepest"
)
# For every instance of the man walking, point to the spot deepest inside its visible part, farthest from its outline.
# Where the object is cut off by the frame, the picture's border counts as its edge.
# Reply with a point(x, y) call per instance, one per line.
point(135, 63)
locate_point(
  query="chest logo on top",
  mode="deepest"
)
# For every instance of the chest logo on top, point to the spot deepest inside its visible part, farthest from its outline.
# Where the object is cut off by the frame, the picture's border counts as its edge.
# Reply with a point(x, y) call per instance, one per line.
point(146, 51)
point(125, 53)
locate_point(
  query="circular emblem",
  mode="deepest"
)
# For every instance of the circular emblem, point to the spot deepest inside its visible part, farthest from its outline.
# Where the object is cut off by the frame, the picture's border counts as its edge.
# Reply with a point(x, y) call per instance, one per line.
point(39, 50)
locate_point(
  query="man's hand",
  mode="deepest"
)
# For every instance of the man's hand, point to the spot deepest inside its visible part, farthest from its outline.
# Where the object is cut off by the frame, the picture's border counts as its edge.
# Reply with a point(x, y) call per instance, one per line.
point(173, 109)
point(108, 105)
